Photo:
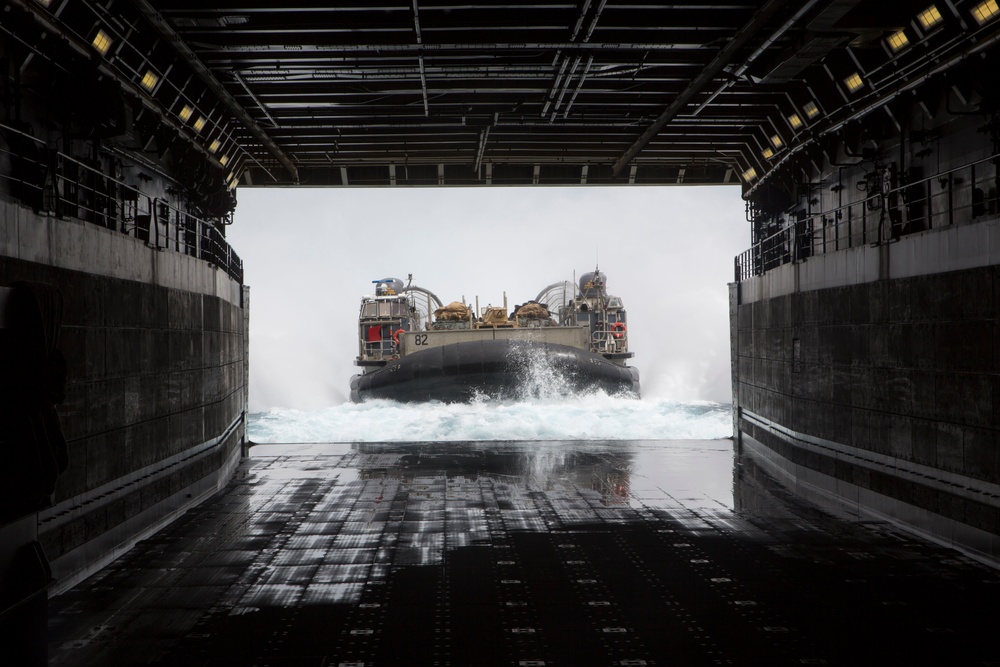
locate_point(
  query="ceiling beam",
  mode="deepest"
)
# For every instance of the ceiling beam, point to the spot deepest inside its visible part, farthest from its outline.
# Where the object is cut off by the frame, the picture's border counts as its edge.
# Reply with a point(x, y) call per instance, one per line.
point(723, 58)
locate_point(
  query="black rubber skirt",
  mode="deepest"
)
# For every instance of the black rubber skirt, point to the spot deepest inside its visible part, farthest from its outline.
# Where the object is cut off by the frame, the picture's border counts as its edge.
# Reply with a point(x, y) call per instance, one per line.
point(503, 369)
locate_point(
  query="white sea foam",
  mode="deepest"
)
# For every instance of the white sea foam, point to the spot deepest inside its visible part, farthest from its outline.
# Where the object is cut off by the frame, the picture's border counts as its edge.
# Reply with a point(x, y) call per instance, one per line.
point(591, 417)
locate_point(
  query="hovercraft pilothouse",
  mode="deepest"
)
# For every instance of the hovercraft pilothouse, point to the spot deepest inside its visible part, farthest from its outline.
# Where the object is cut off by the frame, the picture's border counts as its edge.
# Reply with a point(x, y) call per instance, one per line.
point(385, 316)
point(603, 315)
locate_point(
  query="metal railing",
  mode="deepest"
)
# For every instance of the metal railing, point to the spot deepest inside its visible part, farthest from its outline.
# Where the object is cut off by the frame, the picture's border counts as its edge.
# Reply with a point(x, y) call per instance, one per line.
point(962, 195)
point(65, 186)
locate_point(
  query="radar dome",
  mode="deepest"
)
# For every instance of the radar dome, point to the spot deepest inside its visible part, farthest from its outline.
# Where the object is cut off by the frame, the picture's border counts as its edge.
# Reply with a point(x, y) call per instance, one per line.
point(592, 283)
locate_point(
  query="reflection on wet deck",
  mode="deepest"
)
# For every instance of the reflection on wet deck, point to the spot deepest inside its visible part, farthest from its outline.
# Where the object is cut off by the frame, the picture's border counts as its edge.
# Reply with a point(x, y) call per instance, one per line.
point(572, 553)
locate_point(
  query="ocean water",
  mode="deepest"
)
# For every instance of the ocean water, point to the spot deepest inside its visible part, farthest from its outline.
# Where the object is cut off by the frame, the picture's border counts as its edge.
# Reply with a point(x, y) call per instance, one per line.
point(596, 416)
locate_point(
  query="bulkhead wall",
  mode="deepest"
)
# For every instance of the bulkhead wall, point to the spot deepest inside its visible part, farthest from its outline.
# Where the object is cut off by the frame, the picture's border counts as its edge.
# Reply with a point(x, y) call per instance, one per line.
point(865, 380)
point(155, 395)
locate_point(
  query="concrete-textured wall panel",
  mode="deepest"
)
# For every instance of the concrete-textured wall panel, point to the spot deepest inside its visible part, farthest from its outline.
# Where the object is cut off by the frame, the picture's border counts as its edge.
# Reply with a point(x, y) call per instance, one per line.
point(860, 425)
point(880, 344)
point(183, 430)
point(185, 349)
point(900, 437)
point(948, 446)
point(859, 344)
point(899, 300)
point(860, 308)
point(212, 309)
point(964, 398)
point(923, 346)
point(980, 451)
point(879, 430)
point(184, 310)
point(964, 346)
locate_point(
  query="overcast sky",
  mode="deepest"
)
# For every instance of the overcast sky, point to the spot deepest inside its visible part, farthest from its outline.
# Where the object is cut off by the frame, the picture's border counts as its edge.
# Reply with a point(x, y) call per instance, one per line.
point(309, 255)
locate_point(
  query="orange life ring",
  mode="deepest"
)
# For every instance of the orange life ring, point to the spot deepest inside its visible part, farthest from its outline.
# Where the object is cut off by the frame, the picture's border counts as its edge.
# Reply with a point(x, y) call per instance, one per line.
point(618, 329)
point(395, 335)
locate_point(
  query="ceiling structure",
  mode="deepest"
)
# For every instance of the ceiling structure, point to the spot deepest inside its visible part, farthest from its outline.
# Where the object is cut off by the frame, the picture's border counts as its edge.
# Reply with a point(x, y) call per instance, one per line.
point(425, 92)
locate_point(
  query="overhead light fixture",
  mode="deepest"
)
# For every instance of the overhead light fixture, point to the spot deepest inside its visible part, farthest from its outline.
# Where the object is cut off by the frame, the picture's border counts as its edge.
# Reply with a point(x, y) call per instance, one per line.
point(149, 80)
point(214, 146)
point(776, 141)
point(186, 111)
point(102, 42)
point(854, 82)
point(930, 17)
point(223, 160)
point(199, 123)
point(898, 41)
point(768, 153)
point(44, 3)
point(811, 110)
point(750, 174)
point(795, 121)
point(985, 11)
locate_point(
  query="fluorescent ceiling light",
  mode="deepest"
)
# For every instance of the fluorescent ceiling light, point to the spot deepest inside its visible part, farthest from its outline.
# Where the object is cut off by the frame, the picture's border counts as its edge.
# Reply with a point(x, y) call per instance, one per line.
point(186, 111)
point(149, 80)
point(930, 17)
point(214, 146)
point(750, 174)
point(898, 41)
point(777, 142)
point(768, 153)
point(985, 11)
point(199, 123)
point(854, 82)
point(811, 110)
point(102, 42)
point(795, 121)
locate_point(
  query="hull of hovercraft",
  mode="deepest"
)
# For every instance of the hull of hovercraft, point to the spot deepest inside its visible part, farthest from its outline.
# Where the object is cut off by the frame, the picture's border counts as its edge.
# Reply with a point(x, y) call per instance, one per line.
point(495, 369)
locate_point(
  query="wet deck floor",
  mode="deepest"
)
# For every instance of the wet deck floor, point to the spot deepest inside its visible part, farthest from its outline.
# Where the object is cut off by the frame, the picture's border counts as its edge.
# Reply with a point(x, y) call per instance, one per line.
point(573, 553)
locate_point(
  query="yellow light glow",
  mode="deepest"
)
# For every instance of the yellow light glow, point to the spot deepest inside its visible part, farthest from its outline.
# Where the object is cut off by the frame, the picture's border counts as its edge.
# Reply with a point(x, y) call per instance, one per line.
point(199, 123)
point(898, 41)
point(767, 153)
point(985, 11)
point(223, 160)
point(186, 111)
point(149, 81)
point(930, 17)
point(795, 121)
point(750, 174)
point(811, 110)
point(777, 142)
point(214, 146)
point(854, 82)
point(102, 42)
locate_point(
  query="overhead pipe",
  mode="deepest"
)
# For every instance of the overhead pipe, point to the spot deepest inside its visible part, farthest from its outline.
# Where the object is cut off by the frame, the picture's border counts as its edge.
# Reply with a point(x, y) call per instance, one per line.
point(239, 80)
point(420, 59)
point(562, 68)
point(576, 61)
point(759, 20)
point(785, 27)
point(579, 85)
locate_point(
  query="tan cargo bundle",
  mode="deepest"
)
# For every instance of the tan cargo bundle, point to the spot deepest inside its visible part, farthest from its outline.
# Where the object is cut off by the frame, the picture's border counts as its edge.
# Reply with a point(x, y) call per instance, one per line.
point(532, 310)
point(454, 311)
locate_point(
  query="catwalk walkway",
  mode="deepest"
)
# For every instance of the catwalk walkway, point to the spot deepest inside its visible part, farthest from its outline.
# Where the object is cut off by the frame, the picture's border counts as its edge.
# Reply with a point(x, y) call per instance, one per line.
point(572, 553)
